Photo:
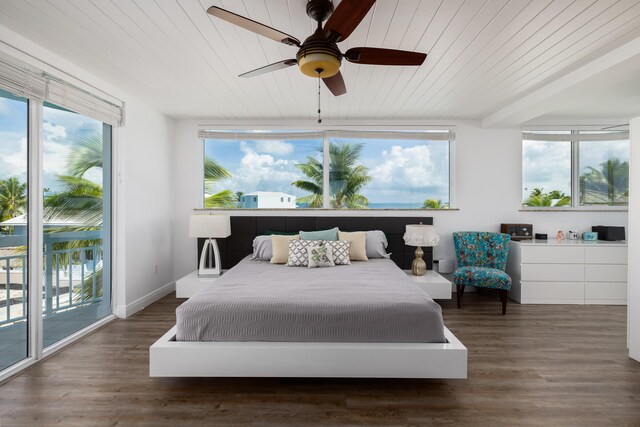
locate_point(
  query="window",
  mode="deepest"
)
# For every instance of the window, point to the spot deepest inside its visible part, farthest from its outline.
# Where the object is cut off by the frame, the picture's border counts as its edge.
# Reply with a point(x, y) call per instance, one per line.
point(264, 167)
point(366, 170)
point(575, 169)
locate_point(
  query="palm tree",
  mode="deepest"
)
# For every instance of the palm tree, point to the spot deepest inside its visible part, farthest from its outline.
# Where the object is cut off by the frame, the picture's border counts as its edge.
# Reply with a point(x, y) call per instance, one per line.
point(81, 201)
point(346, 178)
point(87, 153)
point(13, 198)
point(611, 179)
point(312, 169)
point(434, 204)
point(213, 173)
point(554, 198)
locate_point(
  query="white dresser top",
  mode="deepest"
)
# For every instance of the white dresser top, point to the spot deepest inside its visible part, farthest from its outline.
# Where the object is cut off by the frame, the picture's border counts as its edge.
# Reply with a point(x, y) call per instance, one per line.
point(555, 242)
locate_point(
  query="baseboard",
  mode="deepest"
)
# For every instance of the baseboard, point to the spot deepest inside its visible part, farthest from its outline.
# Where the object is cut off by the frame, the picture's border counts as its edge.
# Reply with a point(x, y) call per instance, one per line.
point(124, 311)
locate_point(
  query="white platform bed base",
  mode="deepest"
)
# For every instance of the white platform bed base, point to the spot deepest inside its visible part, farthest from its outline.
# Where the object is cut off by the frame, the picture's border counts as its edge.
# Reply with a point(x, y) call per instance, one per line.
point(171, 358)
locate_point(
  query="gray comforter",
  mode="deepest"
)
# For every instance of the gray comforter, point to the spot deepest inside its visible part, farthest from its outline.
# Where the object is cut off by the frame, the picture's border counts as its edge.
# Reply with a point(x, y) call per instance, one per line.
point(370, 301)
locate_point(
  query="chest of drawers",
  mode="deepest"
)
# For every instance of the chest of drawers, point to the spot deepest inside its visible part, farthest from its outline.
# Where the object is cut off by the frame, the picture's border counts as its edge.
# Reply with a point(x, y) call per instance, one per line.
point(568, 272)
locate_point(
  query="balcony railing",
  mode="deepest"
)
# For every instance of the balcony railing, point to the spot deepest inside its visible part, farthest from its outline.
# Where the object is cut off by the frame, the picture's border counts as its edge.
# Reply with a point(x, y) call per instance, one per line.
point(72, 274)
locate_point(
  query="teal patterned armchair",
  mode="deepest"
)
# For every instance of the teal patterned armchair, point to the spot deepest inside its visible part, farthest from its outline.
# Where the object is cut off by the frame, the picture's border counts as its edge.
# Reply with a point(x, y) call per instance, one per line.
point(482, 261)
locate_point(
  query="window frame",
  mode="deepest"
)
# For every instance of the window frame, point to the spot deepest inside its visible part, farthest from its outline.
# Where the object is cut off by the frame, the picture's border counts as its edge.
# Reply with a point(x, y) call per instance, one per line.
point(328, 133)
point(575, 179)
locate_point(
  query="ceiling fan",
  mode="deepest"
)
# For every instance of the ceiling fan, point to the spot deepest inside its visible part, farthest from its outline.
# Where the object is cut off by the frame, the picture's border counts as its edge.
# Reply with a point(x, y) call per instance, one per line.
point(319, 56)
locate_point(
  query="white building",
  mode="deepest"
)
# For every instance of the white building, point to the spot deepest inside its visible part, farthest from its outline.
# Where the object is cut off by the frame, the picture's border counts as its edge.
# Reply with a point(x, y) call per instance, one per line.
point(267, 200)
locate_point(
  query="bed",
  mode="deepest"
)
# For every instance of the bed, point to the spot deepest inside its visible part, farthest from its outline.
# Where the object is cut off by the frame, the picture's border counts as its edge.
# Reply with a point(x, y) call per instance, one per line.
point(366, 319)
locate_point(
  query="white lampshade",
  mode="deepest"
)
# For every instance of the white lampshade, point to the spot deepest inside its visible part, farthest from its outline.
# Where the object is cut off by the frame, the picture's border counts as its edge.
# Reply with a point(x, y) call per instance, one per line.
point(209, 225)
point(421, 235)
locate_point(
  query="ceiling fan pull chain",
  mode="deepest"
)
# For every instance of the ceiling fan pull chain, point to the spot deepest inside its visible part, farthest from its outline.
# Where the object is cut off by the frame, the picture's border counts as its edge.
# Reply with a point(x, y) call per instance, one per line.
point(319, 118)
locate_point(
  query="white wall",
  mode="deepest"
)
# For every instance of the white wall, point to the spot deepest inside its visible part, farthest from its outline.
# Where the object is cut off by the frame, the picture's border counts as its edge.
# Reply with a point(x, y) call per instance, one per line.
point(143, 166)
point(634, 242)
point(488, 181)
point(145, 156)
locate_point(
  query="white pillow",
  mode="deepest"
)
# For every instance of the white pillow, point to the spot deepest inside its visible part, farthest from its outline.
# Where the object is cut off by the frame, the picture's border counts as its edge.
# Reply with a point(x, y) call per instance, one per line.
point(340, 251)
point(320, 256)
point(298, 254)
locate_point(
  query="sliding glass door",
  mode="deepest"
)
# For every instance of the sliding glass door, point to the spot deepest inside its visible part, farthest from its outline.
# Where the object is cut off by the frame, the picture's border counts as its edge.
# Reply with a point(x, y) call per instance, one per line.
point(76, 223)
point(55, 210)
point(13, 229)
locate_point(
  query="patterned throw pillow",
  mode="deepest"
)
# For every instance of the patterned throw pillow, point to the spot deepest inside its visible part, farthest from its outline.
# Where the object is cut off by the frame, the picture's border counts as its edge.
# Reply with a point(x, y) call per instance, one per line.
point(340, 250)
point(298, 254)
point(320, 256)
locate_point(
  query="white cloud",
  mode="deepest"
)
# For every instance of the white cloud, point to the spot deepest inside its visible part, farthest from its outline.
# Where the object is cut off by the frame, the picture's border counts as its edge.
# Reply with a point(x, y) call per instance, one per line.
point(410, 167)
point(15, 163)
point(261, 172)
point(52, 131)
point(546, 165)
point(54, 157)
point(280, 148)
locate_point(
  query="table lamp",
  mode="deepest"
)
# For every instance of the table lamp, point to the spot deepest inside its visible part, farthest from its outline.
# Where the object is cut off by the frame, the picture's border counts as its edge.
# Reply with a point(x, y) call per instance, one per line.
point(211, 226)
point(420, 235)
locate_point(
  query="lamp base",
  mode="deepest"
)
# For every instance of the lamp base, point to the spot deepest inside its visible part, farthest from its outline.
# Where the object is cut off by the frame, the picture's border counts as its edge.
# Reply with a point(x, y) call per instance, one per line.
point(418, 266)
point(210, 252)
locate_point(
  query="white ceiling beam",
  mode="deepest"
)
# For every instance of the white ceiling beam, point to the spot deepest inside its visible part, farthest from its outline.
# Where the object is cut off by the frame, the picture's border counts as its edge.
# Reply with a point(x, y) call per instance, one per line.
point(617, 65)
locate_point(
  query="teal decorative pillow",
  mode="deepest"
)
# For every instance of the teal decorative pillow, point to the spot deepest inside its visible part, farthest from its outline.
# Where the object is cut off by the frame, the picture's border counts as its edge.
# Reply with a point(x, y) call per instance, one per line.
point(331, 235)
point(320, 256)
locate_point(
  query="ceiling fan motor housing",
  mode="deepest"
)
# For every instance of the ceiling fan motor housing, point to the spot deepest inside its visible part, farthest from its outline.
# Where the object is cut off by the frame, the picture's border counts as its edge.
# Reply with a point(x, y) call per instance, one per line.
point(319, 57)
point(319, 10)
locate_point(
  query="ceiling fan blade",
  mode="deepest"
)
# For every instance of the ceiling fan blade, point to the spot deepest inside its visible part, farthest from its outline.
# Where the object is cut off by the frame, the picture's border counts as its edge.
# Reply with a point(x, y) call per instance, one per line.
point(378, 56)
point(335, 84)
point(269, 68)
point(253, 26)
point(346, 18)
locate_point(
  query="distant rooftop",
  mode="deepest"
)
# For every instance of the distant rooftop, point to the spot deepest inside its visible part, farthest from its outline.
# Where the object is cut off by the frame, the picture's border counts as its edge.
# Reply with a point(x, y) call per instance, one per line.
point(268, 193)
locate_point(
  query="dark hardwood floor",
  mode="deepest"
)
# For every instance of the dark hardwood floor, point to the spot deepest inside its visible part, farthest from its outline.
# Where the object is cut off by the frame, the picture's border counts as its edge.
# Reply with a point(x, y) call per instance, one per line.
point(537, 365)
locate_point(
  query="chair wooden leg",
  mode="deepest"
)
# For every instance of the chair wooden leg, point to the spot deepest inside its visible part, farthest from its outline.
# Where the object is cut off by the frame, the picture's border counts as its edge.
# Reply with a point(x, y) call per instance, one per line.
point(459, 292)
point(503, 298)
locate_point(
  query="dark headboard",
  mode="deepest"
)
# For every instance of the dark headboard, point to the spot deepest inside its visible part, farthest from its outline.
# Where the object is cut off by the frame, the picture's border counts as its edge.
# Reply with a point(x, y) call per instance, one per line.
point(245, 228)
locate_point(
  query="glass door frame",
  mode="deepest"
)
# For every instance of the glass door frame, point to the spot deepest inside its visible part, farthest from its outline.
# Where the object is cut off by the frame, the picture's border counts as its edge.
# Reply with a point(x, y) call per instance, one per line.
point(35, 238)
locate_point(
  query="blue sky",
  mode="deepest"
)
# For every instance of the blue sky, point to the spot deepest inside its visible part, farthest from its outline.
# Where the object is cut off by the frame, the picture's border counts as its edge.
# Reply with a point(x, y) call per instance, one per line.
point(60, 129)
point(402, 171)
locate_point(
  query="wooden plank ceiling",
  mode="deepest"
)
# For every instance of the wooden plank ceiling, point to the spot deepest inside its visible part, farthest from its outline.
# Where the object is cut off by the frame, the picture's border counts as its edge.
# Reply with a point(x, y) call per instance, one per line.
point(483, 54)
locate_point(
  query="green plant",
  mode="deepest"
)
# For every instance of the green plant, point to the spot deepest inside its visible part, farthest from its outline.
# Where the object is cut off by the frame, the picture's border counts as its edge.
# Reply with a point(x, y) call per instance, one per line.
point(554, 198)
point(434, 204)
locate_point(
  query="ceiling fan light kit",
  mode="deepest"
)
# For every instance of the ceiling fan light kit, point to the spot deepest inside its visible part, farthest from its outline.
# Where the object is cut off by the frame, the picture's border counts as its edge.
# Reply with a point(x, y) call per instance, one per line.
point(319, 55)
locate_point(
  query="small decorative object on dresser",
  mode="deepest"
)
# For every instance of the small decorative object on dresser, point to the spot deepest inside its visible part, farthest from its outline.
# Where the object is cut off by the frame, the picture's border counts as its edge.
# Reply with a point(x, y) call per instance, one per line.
point(590, 236)
point(560, 235)
point(610, 233)
point(211, 226)
point(420, 235)
point(517, 231)
point(572, 235)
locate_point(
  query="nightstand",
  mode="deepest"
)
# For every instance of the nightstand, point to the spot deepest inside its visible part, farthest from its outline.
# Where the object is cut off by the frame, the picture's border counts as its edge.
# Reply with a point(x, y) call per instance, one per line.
point(432, 283)
point(188, 285)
